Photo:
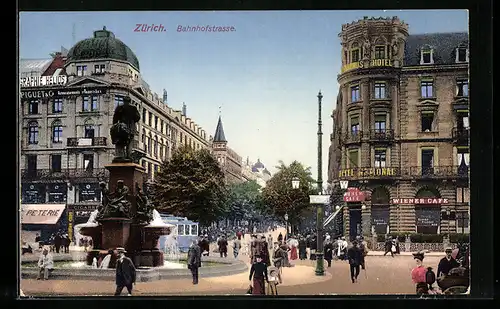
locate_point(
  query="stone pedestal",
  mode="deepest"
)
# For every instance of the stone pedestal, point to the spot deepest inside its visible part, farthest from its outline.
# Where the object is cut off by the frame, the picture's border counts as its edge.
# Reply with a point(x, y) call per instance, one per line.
point(130, 173)
point(115, 232)
point(147, 258)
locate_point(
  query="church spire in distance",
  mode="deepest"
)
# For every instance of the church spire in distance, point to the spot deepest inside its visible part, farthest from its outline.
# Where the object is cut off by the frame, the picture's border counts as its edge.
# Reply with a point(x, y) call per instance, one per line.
point(219, 135)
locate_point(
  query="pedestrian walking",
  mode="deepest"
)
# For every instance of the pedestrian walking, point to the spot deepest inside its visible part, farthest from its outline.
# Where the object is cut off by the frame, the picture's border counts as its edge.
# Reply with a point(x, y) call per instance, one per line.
point(280, 237)
point(279, 258)
point(222, 243)
point(125, 273)
point(328, 251)
point(302, 248)
point(237, 246)
point(354, 255)
point(388, 246)
point(258, 273)
point(194, 260)
point(57, 242)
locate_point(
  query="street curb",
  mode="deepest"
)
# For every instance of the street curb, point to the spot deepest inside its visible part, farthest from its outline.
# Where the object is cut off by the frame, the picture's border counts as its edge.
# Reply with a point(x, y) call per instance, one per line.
point(230, 267)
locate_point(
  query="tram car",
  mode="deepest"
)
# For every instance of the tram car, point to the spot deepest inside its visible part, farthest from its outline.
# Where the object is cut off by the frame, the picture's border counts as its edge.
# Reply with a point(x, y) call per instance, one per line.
point(185, 231)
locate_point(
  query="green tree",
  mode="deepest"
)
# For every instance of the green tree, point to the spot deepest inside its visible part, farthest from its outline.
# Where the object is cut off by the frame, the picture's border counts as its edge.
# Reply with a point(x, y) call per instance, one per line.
point(244, 201)
point(281, 198)
point(192, 185)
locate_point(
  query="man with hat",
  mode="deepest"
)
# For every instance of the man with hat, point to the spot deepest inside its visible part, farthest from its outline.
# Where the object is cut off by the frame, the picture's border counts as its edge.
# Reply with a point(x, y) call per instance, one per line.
point(447, 263)
point(354, 256)
point(125, 273)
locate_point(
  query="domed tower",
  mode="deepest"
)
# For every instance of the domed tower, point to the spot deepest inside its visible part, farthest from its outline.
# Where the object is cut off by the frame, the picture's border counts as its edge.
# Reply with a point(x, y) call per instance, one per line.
point(92, 56)
point(367, 109)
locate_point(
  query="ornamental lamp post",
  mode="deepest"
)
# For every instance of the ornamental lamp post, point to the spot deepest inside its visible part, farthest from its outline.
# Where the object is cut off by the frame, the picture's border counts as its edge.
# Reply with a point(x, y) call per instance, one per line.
point(286, 222)
point(320, 269)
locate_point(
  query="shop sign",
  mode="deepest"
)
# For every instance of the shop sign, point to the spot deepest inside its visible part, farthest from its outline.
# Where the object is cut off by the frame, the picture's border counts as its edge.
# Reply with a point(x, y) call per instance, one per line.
point(89, 192)
point(354, 195)
point(42, 81)
point(84, 210)
point(47, 94)
point(422, 201)
point(57, 193)
point(367, 172)
point(361, 64)
point(33, 193)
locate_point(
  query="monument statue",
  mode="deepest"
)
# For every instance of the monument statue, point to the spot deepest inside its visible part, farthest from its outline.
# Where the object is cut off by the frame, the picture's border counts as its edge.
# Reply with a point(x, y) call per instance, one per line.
point(104, 196)
point(123, 130)
point(118, 205)
point(144, 211)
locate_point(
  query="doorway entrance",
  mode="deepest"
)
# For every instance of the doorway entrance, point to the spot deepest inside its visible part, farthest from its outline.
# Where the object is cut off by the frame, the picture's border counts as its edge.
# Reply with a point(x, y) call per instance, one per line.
point(355, 227)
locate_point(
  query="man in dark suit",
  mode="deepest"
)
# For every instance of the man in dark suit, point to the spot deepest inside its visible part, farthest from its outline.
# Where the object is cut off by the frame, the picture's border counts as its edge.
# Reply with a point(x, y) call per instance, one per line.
point(446, 264)
point(194, 260)
point(125, 273)
point(355, 256)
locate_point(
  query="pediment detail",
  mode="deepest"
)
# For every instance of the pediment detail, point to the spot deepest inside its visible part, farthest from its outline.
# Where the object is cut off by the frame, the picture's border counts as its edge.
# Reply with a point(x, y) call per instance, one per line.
point(87, 81)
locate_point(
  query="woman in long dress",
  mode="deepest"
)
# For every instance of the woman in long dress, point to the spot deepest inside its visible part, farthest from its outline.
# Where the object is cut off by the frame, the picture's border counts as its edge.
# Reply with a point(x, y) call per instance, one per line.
point(258, 273)
point(293, 243)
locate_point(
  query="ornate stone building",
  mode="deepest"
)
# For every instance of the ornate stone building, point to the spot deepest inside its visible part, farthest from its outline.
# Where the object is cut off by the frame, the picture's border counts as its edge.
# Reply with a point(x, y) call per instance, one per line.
point(65, 116)
point(257, 172)
point(229, 160)
point(401, 129)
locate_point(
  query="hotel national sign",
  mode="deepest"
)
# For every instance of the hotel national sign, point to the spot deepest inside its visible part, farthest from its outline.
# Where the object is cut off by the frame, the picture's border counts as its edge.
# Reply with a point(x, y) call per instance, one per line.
point(361, 172)
point(373, 64)
point(42, 81)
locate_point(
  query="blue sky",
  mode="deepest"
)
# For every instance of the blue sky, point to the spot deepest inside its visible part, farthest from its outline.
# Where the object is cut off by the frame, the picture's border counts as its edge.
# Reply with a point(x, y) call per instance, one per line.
point(265, 75)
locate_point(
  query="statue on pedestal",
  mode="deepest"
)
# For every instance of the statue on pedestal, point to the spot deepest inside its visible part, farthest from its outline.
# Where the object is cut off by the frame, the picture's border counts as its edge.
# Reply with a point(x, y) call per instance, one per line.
point(118, 205)
point(144, 210)
point(123, 130)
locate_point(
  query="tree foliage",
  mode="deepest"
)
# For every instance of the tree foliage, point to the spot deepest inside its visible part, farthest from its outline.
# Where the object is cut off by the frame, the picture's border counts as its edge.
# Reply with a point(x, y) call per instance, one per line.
point(191, 184)
point(244, 201)
point(279, 196)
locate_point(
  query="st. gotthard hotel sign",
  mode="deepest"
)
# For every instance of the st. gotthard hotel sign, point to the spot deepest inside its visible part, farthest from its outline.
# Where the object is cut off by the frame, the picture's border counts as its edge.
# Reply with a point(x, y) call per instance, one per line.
point(45, 87)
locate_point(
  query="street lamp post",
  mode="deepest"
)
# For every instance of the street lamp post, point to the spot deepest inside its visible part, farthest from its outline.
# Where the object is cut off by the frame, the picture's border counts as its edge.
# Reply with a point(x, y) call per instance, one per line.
point(286, 222)
point(295, 186)
point(320, 269)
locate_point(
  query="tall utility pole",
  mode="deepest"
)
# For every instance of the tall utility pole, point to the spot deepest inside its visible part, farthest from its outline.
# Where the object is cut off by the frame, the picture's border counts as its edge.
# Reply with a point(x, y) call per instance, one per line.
point(320, 267)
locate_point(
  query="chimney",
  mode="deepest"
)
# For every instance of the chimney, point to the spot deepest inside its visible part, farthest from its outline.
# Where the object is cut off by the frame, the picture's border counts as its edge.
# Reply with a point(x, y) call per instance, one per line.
point(165, 95)
point(184, 109)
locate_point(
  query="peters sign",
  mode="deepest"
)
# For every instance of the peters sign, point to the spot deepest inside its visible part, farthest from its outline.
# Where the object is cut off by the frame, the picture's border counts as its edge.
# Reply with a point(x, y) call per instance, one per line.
point(41, 81)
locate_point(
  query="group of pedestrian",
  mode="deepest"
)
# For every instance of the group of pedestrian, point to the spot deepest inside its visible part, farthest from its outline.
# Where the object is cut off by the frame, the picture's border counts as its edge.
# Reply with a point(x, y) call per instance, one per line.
point(391, 245)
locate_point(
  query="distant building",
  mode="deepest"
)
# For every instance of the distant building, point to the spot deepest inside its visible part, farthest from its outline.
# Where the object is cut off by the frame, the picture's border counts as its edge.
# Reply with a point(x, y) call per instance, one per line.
point(229, 160)
point(257, 172)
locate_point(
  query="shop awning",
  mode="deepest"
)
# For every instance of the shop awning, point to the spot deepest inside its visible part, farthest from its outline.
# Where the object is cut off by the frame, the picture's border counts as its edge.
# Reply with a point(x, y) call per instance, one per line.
point(41, 213)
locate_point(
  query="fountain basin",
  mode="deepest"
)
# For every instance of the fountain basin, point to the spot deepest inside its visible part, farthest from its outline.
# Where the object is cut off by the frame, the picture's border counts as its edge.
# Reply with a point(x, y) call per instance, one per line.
point(218, 267)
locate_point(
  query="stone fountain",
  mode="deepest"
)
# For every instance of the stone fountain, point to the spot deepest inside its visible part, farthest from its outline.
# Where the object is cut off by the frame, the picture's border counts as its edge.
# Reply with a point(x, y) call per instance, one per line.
point(126, 218)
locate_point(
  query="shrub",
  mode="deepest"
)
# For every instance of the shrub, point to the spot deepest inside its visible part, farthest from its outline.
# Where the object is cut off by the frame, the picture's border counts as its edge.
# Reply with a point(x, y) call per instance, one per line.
point(380, 238)
point(400, 236)
point(459, 238)
point(426, 238)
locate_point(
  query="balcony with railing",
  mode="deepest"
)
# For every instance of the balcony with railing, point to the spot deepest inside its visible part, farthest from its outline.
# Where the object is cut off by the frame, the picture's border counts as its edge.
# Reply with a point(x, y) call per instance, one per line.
point(436, 172)
point(460, 136)
point(352, 137)
point(382, 135)
point(63, 174)
point(85, 142)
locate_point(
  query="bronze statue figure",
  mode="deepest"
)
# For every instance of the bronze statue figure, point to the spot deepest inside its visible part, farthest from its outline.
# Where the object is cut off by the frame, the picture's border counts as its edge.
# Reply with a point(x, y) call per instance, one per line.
point(144, 211)
point(104, 196)
point(123, 130)
point(118, 204)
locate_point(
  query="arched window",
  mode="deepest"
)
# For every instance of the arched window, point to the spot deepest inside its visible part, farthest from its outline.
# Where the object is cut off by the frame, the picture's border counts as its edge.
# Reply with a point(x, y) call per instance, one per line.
point(380, 49)
point(427, 211)
point(355, 53)
point(57, 131)
point(89, 129)
point(380, 210)
point(156, 146)
point(33, 132)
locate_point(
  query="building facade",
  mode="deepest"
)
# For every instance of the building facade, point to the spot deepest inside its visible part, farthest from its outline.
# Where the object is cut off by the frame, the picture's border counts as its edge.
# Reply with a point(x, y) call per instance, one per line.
point(401, 129)
point(228, 159)
point(256, 172)
point(66, 112)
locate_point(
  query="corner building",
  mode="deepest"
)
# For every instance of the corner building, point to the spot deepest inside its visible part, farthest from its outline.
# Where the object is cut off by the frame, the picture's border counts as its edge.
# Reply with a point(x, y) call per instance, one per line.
point(401, 129)
point(64, 128)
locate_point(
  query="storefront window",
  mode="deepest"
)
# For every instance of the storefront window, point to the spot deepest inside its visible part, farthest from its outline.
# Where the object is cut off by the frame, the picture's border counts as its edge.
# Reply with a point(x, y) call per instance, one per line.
point(427, 217)
point(89, 192)
point(57, 193)
point(380, 211)
point(33, 193)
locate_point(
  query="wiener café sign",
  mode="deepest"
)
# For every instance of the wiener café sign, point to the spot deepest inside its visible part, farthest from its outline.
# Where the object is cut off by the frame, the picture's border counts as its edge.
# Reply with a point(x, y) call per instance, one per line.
point(421, 201)
point(41, 81)
point(373, 64)
point(367, 172)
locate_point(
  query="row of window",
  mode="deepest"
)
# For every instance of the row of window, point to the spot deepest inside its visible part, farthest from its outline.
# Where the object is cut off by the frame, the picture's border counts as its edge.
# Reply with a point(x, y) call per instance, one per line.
point(380, 90)
point(154, 146)
point(150, 168)
point(81, 70)
point(55, 162)
point(89, 104)
point(427, 158)
point(57, 132)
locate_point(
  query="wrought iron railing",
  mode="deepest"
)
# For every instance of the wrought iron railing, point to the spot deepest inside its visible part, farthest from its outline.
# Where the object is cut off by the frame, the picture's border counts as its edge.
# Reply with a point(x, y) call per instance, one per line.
point(352, 137)
point(435, 172)
point(94, 141)
point(382, 135)
point(63, 174)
